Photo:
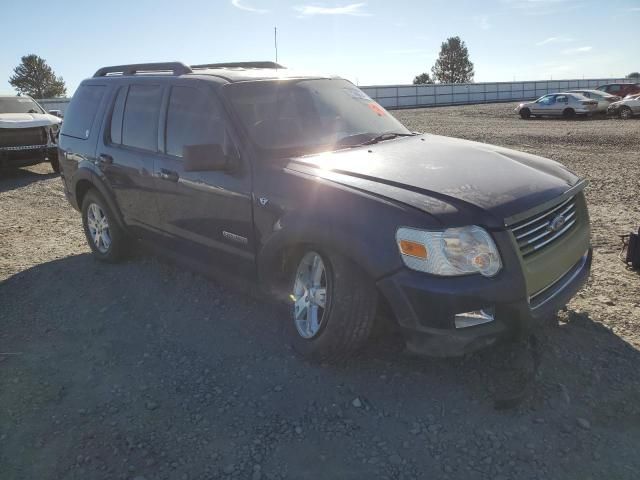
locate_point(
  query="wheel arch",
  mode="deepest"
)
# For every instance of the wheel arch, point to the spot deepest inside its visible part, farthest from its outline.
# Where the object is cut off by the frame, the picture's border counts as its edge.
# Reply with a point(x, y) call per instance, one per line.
point(84, 180)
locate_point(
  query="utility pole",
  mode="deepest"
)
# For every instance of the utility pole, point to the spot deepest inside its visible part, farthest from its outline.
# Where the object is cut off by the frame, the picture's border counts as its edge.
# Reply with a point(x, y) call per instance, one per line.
point(275, 41)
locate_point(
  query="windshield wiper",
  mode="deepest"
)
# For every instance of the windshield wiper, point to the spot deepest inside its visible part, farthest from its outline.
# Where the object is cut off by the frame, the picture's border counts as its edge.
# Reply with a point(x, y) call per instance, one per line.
point(369, 140)
point(387, 136)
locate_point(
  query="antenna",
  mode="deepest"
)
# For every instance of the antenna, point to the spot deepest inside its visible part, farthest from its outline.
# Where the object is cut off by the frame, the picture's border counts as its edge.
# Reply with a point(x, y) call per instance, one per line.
point(275, 41)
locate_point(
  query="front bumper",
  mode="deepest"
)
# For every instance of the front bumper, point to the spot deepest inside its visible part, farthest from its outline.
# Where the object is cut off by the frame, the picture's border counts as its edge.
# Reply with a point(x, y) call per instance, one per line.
point(425, 307)
point(14, 157)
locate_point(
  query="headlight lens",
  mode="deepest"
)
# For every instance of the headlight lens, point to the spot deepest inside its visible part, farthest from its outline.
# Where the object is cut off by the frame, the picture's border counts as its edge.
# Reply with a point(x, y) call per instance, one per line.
point(452, 252)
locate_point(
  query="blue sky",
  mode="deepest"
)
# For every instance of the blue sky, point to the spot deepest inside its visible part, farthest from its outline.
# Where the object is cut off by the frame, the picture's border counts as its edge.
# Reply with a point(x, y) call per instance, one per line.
point(368, 42)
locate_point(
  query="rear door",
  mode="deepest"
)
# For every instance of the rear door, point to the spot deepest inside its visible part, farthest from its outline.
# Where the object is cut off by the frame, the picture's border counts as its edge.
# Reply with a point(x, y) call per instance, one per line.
point(561, 102)
point(128, 148)
point(206, 212)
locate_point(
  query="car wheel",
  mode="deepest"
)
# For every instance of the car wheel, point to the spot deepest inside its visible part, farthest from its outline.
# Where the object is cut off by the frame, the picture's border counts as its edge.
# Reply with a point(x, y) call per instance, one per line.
point(55, 163)
point(106, 238)
point(626, 113)
point(334, 306)
point(525, 113)
point(569, 113)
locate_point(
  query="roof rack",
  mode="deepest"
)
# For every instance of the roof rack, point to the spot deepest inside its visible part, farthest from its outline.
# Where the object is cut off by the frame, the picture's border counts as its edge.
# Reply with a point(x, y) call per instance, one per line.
point(265, 64)
point(178, 68)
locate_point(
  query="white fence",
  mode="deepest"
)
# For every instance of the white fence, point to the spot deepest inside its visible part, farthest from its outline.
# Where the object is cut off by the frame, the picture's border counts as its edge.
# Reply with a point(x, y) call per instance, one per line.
point(54, 104)
point(413, 96)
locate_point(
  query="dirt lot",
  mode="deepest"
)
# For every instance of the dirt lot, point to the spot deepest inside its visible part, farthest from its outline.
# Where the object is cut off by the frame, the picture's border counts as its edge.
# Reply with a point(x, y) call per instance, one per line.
point(145, 371)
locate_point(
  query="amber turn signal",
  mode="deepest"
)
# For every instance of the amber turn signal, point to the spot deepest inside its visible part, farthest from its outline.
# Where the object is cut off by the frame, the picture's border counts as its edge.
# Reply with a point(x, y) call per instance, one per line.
point(413, 249)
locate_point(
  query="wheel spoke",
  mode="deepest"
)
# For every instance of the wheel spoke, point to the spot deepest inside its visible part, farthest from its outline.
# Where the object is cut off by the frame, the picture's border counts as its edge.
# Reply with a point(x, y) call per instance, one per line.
point(313, 320)
point(106, 239)
point(300, 308)
point(317, 271)
point(320, 297)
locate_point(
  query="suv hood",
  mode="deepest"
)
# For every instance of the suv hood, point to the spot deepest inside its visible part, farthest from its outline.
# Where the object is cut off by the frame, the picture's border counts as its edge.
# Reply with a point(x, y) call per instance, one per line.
point(468, 182)
point(27, 120)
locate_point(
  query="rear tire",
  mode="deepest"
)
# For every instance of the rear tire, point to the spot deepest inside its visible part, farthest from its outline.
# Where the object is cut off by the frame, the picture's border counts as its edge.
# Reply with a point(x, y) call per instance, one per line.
point(626, 113)
point(569, 113)
point(107, 240)
point(345, 311)
point(525, 114)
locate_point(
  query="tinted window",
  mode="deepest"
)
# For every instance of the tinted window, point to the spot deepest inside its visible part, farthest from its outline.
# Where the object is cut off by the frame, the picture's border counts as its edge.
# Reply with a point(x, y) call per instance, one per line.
point(613, 88)
point(140, 119)
point(193, 118)
point(116, 116)
point(80, 115)
point(561, 99)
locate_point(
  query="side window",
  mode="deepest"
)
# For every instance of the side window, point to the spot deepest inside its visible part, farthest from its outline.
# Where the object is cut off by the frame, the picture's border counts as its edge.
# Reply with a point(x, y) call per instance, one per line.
point(115, 131)
point(613, 88)
point(81, 113)
point(140, 118)
point(561, 99)
point(193, 118)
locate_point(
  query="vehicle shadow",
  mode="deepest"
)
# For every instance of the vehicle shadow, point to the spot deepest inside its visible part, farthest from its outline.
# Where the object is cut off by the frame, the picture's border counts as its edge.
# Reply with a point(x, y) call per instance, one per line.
point(14, 178)
point(149, 293)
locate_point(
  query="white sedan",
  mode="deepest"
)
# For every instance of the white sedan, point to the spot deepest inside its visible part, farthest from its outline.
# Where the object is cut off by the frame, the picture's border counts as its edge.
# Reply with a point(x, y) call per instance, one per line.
point(604, 99)
point(566, 105)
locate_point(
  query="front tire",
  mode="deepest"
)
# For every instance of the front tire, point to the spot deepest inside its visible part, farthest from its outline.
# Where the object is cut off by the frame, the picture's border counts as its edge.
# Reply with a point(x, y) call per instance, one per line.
point(525, 114)
point(334, 306)
point(55, 163)
point(105, 237)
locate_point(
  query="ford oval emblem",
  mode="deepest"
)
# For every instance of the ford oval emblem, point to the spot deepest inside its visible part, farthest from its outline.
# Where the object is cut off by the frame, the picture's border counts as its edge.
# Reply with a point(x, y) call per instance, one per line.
point(557, 223)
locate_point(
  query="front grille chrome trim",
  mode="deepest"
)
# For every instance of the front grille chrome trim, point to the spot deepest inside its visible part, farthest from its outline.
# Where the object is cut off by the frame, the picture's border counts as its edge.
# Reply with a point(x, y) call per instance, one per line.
point(23, 147)
point(541, 216)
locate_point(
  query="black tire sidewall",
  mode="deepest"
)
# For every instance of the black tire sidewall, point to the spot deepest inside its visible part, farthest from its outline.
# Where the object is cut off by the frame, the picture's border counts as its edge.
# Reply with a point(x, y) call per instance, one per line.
point(622, 112)
point(115, 251)
point(335, 340)
point(525, 114)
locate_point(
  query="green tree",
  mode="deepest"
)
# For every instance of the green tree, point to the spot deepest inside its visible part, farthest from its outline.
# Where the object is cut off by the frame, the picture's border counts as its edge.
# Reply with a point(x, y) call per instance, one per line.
point(422, 79)
point(35, 78)
point(635, 75)
point(453, 64)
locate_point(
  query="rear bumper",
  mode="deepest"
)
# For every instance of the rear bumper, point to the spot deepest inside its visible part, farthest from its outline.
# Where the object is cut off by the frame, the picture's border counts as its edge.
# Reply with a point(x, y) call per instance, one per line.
point(425, 307)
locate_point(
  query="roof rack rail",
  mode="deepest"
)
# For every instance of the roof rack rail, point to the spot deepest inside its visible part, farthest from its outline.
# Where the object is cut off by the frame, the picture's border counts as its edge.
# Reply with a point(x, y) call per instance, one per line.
point(178, 68)
point(265, 64)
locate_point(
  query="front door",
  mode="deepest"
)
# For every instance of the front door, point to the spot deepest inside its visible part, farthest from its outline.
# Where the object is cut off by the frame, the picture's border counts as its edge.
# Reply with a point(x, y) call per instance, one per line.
point(543, 106)
point(208, 212)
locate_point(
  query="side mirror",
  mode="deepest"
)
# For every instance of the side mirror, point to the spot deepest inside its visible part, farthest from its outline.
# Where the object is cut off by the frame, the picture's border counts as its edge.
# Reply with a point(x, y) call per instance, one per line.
point(206, 157)
point(57, 113)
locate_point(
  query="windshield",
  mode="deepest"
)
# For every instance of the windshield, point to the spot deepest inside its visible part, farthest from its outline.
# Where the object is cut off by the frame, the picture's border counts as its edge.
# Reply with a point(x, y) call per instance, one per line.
point(19, 105)
point(307, 116)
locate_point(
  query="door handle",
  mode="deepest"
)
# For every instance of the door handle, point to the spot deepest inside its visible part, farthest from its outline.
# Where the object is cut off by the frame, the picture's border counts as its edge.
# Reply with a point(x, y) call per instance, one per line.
point(104, 159)
point(170, 175)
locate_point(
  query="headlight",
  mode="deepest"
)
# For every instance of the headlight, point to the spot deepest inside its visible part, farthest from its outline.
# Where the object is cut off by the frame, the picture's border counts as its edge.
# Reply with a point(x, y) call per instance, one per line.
point(452, 252)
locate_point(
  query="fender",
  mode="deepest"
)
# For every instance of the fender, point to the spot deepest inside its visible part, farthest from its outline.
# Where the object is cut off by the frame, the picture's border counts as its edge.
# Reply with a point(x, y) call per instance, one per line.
point(88, 172)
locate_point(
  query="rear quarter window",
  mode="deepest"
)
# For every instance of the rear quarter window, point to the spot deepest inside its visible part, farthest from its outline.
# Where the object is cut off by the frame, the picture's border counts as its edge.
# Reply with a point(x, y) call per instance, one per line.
point(81, 114)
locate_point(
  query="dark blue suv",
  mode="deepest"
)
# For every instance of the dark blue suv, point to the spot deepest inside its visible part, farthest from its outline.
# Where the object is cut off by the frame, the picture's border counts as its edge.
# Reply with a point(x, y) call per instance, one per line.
point(306, 185)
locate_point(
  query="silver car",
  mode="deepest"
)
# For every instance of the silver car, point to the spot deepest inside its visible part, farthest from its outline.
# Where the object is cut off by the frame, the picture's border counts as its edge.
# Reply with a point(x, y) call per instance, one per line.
point(604, 99)
point(627, 108)
point(566, 105)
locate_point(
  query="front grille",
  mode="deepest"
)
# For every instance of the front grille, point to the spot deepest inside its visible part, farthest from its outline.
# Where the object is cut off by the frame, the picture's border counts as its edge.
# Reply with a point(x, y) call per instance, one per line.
point(540, 231)
point(21, 137)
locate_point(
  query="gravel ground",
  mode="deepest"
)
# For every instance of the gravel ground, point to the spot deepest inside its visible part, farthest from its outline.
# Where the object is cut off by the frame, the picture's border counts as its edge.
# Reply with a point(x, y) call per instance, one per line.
point(144, 370)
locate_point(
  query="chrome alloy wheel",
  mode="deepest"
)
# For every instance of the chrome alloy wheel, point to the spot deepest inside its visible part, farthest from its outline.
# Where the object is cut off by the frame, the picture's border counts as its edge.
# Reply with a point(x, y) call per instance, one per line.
point(98, 228)
point(310, 295)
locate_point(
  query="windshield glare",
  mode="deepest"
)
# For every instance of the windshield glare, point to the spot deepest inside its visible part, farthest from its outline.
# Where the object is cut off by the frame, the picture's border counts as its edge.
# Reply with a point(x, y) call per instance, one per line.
point(306, 116)
point(19, 105)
